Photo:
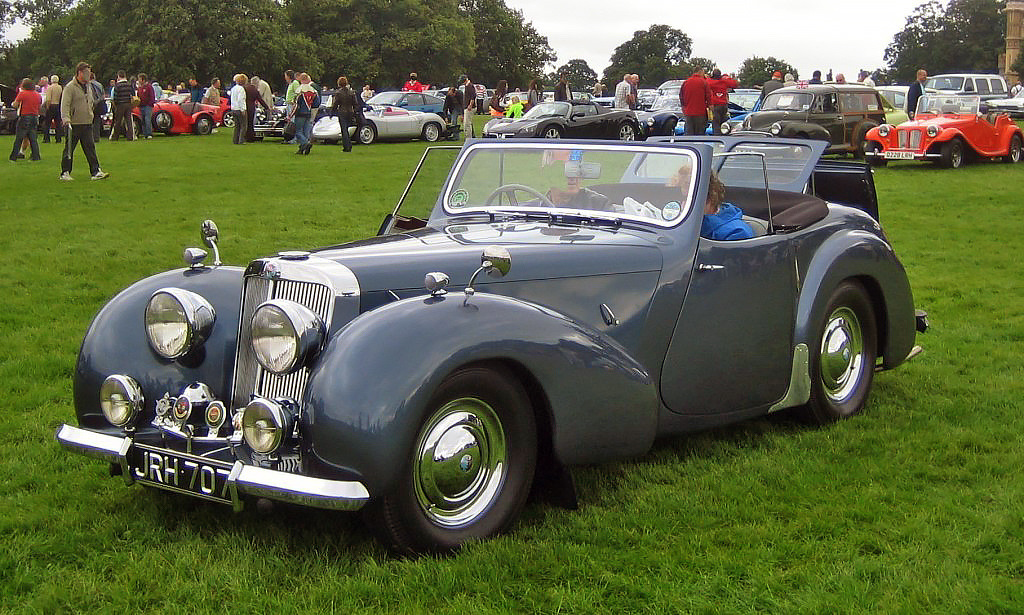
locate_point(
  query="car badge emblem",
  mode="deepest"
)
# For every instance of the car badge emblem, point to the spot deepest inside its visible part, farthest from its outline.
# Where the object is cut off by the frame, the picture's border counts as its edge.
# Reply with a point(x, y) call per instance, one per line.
point(271, 270)
point(182, 408)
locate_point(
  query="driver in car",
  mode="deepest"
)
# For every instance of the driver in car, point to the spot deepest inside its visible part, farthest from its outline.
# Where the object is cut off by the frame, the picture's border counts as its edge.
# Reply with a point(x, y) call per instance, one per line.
point(576, 195)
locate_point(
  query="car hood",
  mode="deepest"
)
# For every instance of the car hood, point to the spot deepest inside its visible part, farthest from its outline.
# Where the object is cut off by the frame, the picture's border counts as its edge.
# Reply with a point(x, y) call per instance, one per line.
point(942, 122)
point(539, 250)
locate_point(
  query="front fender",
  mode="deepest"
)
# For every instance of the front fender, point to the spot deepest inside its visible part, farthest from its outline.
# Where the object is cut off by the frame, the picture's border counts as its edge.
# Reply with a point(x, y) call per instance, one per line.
point(813, 131)
point(368, 394)
point(863, 256)
point(116, 343)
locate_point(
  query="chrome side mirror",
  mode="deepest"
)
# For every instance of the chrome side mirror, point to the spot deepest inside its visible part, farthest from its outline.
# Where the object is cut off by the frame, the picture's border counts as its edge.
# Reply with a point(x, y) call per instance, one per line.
point(193, 257)
point(496, 261)
point(435, 282)
point(210, 235)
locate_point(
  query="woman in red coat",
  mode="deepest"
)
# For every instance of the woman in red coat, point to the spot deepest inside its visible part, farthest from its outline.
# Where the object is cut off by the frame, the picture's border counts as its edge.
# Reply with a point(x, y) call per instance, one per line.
point(720, 85)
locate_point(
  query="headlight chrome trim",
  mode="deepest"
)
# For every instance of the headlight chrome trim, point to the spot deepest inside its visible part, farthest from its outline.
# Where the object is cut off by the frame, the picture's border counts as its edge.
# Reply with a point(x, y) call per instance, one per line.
point(266, 425)
point(302, 325)
point(883, 130)
point(932, 130)
point(121, 399)
point(198, 317)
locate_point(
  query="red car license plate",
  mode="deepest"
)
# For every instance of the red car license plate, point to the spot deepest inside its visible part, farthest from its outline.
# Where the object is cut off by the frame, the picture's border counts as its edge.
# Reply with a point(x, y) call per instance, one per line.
point(898, 155)
point(181, 472)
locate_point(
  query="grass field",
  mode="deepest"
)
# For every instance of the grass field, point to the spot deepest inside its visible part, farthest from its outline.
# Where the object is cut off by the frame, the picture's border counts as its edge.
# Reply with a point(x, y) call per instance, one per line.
point(915, 506)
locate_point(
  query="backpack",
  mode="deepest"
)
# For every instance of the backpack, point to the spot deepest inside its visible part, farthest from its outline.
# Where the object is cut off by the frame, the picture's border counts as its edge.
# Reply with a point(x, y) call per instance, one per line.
point(100, 106)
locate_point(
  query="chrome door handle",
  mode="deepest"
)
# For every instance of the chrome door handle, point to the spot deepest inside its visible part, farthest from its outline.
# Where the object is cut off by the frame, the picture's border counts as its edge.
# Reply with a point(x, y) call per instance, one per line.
point(703, 267)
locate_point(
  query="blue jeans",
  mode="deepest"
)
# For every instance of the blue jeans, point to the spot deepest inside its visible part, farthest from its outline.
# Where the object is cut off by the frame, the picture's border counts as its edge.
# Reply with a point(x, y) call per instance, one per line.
point(26, 128)
point(303, 126)
point(147, 120)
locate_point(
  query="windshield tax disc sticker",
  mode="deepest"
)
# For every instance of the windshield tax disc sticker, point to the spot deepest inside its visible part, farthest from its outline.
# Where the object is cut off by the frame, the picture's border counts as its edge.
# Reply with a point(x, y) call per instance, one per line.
point(458, 198)
point(671, 210)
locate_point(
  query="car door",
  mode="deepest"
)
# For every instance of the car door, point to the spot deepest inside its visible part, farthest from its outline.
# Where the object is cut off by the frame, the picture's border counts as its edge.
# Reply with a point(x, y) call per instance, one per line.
point(825, 113)
point(584, 122)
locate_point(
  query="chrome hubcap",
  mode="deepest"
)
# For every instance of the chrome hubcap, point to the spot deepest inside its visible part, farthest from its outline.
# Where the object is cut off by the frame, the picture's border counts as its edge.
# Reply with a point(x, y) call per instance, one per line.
point(551, 134)
point(626, 133)
point(461, 462)
point(432, 133)
point(366, 134)
point(842, 354)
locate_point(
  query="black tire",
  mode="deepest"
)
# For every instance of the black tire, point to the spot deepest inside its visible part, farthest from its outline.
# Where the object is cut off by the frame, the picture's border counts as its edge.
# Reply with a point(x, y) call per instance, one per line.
point(438, 506)
point(858, 141)
point(162, 121)
point(842, 356)
point(627, 132)
point(203, 126)
point(1013, 154)
point(875, 146)
point(366, 134)
point(551, 132)
point(953, 154)
point(431, 132)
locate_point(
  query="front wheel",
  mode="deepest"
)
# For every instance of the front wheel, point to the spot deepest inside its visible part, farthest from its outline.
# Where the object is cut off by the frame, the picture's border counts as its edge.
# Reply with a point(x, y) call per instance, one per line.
point(204, 126)
point(431, 132)
point(469, 470)
point(366, 134)
point(953, 153)
point(551, 132)
point(842, 362)
point(162, 121)
point(627, 132)
point(1013, 154)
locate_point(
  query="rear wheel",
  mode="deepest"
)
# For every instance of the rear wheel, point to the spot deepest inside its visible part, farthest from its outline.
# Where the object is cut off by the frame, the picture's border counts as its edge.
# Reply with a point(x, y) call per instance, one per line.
point(203, 126)
point(469, 470)
point(842, 362)
point(1013, 154)
point(163, 121)
point(432, 132)
point(953, 153)
point(228, 119)
point(875, 147)
point(366, 134)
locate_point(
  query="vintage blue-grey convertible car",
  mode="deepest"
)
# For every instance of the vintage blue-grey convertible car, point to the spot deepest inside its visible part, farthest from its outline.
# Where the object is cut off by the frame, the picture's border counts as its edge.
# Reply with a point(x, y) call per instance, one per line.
point(557, 307)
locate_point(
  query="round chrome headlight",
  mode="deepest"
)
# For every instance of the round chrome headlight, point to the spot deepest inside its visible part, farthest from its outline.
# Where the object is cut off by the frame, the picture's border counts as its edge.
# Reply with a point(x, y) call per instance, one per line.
point(883, 130)
point(120, 399)
point(177, 321)
point(265, 425)
point(726, 128)
point(775, 129)
point(285, 335)
point(932, 130)
point(650, 121)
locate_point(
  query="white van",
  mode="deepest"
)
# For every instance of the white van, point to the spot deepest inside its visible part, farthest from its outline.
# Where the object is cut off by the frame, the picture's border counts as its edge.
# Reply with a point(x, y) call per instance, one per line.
point(986, 86)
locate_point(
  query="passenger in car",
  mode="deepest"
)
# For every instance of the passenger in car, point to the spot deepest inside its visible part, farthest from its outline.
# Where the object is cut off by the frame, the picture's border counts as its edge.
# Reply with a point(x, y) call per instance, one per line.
point(722, 221)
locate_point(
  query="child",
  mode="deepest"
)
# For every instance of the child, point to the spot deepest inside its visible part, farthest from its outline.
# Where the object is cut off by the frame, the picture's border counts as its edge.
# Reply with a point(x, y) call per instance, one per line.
point(722, 221)
point(515, 108)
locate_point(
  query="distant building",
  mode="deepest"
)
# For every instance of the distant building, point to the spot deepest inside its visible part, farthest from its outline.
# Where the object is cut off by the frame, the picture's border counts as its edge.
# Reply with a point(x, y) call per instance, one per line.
point(1014, 22)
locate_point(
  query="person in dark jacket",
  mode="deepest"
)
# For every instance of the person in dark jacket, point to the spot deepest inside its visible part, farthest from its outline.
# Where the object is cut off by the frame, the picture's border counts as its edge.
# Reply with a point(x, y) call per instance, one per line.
point(452, 105)
point(915, 92)
point(771, 85)
point(344, 104)
point(562, 90)
point(722, 221)
point(497, 109)
point(122, 101)
point(99, 109)
point(469, 106)
point(146, 100)
point(252, 98)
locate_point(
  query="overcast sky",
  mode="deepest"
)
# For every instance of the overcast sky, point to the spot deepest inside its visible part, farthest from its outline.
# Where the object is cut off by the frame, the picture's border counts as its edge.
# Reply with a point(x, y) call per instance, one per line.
point(809, 34)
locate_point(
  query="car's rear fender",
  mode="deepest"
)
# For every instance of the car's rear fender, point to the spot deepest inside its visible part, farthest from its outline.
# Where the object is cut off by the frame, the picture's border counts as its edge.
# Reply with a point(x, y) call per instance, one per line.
point(865, 257)
point(116, 343)
point(370, 390)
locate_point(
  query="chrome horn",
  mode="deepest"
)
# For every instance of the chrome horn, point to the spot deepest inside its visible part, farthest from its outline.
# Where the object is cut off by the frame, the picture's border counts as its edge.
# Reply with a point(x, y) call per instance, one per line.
point(495, 260)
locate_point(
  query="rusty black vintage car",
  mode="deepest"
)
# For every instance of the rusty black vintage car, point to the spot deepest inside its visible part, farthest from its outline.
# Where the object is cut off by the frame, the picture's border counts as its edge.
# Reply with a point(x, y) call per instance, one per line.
point(557, 307)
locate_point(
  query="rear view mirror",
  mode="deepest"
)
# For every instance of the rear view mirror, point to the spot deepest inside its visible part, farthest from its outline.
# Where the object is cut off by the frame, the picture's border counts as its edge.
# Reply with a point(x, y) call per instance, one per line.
point(582, 170)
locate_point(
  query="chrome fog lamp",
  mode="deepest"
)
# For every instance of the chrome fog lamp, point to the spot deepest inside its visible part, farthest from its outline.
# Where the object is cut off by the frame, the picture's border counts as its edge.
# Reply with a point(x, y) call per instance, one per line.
point(775, 129)
point(726, 128)
point(120, 399)
point(266, 424)
point(932, 130)
point(285, 335)
point(650, 122)
point(883, 130)
point(177, 321)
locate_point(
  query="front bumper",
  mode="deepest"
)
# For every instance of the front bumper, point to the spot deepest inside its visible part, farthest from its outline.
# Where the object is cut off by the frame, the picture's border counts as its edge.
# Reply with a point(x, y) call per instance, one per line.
point(243, 479)
point(903, 155)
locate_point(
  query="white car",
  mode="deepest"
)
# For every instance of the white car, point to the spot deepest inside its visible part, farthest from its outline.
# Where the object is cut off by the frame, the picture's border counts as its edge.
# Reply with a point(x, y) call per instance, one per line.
point(388, 123)
point(1014, 106)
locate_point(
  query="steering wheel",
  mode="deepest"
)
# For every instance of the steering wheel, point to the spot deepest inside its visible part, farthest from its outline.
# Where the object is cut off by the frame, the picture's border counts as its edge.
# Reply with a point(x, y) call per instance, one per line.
point(511, 189)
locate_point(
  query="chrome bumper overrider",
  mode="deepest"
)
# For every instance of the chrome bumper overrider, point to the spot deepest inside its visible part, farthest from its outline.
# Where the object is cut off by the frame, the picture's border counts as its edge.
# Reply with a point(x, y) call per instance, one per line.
point(243, 480)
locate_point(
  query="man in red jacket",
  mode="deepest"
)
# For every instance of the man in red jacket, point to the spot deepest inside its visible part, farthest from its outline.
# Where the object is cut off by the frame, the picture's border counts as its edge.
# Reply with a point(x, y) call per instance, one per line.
point(720, 85)
point(695, 97)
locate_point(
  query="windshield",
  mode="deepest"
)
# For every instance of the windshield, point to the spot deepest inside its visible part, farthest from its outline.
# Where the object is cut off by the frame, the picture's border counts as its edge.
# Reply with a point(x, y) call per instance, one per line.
point(547, 109)
point(649, 184)
point(787, 101)
point(945, 83)
point(939, 105)
point(385, 98)
point(666, 102)
point(744, 99)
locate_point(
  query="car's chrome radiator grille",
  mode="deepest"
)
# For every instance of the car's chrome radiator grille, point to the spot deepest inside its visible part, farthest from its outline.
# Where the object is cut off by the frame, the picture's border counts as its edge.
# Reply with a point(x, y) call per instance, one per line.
point(909, 139)
point(250, 377)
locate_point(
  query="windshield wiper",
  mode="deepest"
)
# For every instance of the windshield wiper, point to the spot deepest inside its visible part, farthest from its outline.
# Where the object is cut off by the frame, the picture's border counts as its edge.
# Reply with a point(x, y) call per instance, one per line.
point(586, 219)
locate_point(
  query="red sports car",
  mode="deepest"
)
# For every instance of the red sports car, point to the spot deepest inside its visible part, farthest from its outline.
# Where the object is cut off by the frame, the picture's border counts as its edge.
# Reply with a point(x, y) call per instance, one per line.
point(946, 130)
point(173, 118)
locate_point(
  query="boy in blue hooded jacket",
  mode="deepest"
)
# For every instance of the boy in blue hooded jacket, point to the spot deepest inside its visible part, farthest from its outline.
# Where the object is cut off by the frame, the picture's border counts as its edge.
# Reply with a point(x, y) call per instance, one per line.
point(722, 221)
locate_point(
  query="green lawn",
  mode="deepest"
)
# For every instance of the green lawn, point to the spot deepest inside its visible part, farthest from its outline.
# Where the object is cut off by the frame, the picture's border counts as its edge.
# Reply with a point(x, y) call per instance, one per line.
point(916, 506)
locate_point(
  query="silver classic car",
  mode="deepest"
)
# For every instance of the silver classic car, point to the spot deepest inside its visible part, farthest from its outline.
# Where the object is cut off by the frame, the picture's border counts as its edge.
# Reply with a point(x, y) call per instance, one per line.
point(557, 306)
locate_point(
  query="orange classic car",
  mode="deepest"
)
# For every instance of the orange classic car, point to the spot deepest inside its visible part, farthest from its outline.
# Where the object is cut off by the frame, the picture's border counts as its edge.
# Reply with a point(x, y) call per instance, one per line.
point(947, 130)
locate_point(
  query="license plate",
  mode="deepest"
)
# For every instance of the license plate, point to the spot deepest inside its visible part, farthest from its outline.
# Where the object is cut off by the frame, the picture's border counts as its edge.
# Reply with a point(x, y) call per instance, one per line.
point(898, 155)
point(181, 472)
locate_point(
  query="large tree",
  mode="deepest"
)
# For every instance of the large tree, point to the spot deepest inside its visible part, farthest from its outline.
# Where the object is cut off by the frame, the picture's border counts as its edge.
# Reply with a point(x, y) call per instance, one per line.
point(656, 54)
point(755, 71)
point(504, 45)
point(578, 75)
point(964, 36)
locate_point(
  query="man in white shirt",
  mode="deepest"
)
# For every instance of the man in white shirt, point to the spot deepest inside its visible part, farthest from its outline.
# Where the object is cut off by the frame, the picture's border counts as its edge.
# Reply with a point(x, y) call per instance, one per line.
point(623, 91)
point(237, 95)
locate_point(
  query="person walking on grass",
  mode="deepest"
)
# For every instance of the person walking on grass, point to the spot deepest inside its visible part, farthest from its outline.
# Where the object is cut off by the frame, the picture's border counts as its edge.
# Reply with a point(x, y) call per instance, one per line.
point(76, 105)
point(146, 100)
point(307, 102)
point(344, 104)
point(122, 101)
point(27, 102)
point(237, 94)
point(50, 113)
point(469, 108)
